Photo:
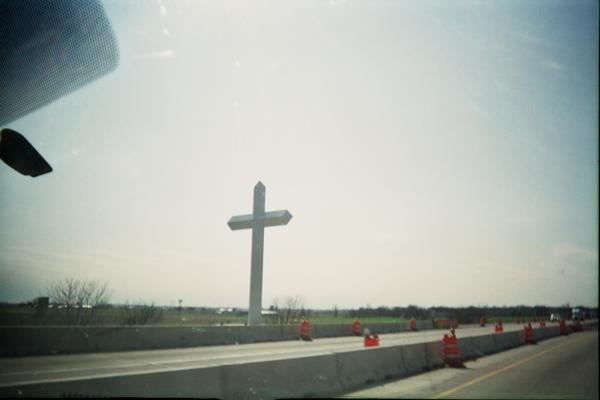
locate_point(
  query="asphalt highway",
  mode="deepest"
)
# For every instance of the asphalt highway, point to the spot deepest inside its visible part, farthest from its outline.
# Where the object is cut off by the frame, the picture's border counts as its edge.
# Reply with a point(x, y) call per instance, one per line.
point(561, 367)
point(38, 369)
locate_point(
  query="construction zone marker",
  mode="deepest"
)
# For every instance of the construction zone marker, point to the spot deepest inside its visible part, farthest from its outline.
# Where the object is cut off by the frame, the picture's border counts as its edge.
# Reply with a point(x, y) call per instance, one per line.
point(371, 340)
point(451, 350)
point(529, 334)
point(412, 324)
point(305, 331)
point(356, 328)
point(498, 328)
point(563, 327)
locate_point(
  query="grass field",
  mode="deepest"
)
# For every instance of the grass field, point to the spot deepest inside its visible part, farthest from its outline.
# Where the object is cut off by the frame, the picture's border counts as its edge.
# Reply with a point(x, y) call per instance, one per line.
point(15, 315)
point(116, 316)
point(330, 319)
point(18, 315)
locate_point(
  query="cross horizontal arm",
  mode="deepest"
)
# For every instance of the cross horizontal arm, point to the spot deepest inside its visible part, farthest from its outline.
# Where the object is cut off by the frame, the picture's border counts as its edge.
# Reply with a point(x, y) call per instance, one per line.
point(271, 218)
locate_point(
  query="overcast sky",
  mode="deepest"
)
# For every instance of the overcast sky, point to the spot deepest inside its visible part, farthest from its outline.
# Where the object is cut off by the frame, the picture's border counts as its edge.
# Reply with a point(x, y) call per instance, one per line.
point(431, 153)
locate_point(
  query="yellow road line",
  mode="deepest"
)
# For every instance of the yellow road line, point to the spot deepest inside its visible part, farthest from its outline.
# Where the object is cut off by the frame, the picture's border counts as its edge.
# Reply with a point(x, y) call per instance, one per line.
point(497, 371)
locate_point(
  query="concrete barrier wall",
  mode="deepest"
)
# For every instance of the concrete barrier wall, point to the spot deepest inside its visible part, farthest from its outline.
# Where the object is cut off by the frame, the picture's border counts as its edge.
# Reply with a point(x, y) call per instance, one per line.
point(381, 328)
point(331, 330)
point(56, 340)
point(465, 348)
point(364, 367)
point(395, 327)
point(483, 345)
point(41, 340)
point(435, 354)
point(506, 340)
point(324, 375)
point(591, 324)
point(425, 325)
point(547, 332)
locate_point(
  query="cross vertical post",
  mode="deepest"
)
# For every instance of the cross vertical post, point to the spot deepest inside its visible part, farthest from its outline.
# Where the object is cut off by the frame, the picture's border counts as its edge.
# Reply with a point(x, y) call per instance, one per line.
point(258, 239)
point(257, 221)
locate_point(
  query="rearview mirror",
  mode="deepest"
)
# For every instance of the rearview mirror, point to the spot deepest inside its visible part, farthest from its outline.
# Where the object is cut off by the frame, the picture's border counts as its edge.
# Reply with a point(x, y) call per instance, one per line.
point(19, 154)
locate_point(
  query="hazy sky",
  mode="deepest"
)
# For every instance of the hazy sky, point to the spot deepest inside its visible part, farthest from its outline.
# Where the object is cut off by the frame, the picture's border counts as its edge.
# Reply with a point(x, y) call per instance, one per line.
point(431, 153)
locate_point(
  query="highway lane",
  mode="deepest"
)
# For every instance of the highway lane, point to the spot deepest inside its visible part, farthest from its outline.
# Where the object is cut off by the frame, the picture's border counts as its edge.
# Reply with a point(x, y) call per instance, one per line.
point(561, 367)
point(25, 370)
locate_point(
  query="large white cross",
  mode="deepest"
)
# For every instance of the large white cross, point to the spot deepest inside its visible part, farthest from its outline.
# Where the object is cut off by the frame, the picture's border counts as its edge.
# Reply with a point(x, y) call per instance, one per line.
point(257, 221)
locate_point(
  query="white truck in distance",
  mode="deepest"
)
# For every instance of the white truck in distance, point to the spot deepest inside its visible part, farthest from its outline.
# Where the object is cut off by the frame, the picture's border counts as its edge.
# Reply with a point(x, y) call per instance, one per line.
point(577, 314)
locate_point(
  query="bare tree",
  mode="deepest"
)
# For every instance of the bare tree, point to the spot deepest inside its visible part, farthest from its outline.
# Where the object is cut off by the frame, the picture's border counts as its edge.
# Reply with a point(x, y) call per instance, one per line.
point(139, 314)
point(291, 311)
point(77, 301)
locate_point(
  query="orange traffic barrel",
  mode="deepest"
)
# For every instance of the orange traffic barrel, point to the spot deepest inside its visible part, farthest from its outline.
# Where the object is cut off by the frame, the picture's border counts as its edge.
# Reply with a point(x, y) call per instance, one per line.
point(498, 328)
point(305, 330)
point(451, 351)
point(529, 334)
point(413, 324)
point(371, 340)
point(356, 328)
point(563, 327)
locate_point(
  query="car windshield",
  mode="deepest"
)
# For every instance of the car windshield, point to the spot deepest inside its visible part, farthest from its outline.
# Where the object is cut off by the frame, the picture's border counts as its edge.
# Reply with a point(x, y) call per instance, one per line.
point(385, 161)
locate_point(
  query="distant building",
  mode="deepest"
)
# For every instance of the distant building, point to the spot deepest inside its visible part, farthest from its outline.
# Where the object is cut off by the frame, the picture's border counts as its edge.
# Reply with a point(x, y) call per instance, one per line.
point(41, 305)
point(41, 302)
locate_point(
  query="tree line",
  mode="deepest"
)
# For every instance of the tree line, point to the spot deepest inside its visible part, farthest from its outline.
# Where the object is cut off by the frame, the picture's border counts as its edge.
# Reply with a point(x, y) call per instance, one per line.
point(77, 302)
point(470, 314)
